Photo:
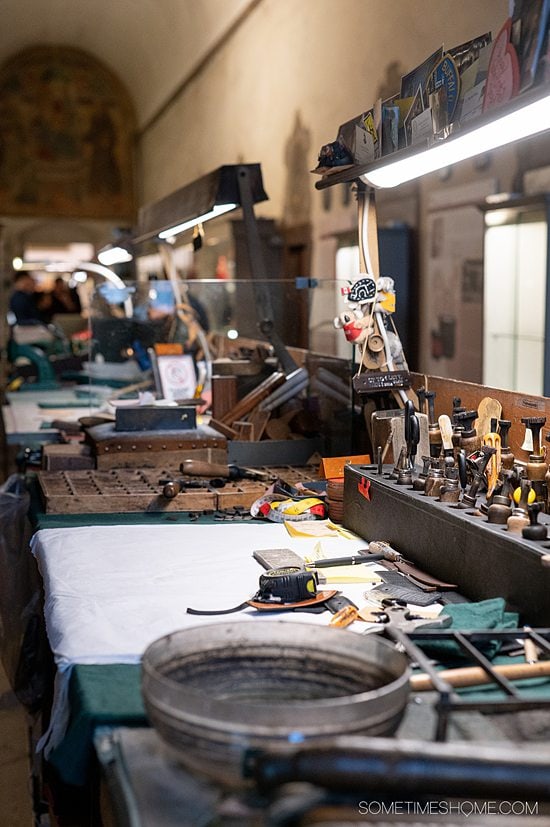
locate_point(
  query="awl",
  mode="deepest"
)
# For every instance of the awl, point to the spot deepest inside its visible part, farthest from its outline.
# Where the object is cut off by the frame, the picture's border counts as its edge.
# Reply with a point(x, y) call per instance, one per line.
point(346, 561)
point(381, 551)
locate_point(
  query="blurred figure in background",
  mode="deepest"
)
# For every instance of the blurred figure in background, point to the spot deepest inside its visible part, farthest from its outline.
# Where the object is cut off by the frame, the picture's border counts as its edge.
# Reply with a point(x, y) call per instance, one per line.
point(26, 303)
point(63, 299)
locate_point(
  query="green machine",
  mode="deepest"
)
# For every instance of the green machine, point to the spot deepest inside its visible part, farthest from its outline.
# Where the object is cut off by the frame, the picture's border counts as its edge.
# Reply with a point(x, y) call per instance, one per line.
point(34, 344)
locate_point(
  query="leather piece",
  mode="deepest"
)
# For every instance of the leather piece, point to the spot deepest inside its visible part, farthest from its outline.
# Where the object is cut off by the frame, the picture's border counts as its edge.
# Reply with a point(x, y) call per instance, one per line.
point(320, 597)
point(419, 577)
point(422, 576)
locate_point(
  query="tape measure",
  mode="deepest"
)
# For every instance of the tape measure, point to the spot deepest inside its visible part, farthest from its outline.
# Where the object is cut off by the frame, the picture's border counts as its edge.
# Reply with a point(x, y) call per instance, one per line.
point(278, 510)
point(290, 587)
point(287, 585)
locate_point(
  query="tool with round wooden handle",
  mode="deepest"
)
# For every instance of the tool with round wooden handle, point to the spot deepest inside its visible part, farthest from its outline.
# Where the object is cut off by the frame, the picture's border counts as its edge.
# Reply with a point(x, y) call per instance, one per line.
point(199, 468)
point(487, 409)
point(475, 675)
point(446, 430)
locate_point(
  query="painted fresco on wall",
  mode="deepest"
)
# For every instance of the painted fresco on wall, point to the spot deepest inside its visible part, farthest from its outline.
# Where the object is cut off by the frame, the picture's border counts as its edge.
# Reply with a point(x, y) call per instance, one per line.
point(66, 137)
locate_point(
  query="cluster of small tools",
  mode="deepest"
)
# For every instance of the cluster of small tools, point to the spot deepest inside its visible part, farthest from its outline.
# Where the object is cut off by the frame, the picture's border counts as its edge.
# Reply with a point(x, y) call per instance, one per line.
point(464, 464)
point(292, 584)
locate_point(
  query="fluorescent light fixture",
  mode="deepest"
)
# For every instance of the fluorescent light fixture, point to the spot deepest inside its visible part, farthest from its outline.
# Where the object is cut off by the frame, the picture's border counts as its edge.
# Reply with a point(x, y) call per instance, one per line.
point(216, 193)
point(220, 209)
point(492, 131)
point(114, 255)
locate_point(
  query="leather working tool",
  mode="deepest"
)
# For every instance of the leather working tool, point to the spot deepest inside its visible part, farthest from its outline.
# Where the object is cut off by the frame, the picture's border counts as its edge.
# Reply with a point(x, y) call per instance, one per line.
point(382, 551)
point(402, 589)
point(469, 498)
point(433, 426)
point(412, 433)
point(199, 468)
point(412, 572)
point(493, 467)
point(171, 488)
point(446, 430)
point(395, 613)
point(487, 410)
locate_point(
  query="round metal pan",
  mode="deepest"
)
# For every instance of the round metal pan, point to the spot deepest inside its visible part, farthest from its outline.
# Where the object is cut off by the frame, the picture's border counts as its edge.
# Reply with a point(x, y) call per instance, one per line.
point(216, 690)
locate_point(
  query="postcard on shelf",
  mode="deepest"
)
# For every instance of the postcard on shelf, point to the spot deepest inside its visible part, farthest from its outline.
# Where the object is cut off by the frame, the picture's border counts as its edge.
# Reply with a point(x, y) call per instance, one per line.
point(467, 53)
point(390, 127)
point(419, 76)
point(415, 110)
point(472, 103)
point(364, 147)
point(476, 72)
point(503, 73)
point(443, 92)
point(529, 32)
point(359, 137)
point(422, 128)
point(437, 101)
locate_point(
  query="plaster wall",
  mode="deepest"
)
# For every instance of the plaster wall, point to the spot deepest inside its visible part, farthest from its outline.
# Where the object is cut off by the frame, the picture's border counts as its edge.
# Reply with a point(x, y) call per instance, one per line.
point(316, 60)
point(281, 85)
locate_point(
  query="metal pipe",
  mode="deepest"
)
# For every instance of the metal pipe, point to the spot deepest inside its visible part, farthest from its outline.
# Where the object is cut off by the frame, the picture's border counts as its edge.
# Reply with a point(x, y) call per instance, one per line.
point(406, 767)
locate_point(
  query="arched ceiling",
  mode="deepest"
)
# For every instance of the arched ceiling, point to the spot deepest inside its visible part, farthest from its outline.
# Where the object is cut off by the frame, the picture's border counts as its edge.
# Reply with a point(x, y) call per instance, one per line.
point(151, 45)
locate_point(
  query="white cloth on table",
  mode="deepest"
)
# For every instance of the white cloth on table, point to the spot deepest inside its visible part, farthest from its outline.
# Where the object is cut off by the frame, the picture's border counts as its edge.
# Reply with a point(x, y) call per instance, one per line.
point(110, 591)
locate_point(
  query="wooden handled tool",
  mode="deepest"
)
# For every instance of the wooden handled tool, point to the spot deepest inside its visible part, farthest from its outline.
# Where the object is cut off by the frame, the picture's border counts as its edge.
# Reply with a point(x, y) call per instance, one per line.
point(475, 675)
point(446, 428)
point(199, 468)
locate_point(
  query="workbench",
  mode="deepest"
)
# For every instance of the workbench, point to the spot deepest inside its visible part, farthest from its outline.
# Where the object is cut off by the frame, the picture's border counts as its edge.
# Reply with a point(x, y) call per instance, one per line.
point(110, 590)
point(28, 414)
point(113, 583)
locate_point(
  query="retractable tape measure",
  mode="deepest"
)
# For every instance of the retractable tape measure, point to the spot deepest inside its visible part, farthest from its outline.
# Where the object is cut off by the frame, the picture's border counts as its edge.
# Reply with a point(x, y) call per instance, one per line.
point(284, 588)
point(287, 585)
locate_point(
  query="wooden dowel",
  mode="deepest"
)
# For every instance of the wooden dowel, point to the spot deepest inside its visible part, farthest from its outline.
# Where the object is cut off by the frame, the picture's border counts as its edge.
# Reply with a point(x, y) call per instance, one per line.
point(475, 675)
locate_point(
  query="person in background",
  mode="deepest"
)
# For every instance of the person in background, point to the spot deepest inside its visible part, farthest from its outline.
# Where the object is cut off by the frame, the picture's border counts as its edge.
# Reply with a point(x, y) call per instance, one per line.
point(26, 304)
point(63, 299)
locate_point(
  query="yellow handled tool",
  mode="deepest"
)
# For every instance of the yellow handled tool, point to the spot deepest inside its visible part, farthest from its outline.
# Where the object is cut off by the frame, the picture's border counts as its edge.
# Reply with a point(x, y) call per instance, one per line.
point(493, 466)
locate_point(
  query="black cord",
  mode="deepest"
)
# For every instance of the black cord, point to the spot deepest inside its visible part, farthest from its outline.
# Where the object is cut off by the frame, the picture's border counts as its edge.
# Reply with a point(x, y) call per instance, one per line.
point(218, 611)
